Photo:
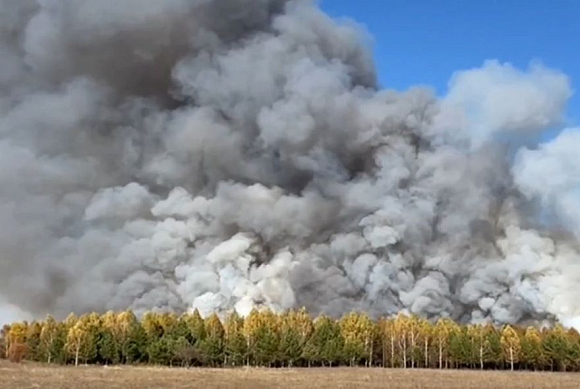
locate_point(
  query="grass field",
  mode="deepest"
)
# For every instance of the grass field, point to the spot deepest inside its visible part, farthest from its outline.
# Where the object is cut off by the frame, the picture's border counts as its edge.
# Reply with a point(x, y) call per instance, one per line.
point(28, 376)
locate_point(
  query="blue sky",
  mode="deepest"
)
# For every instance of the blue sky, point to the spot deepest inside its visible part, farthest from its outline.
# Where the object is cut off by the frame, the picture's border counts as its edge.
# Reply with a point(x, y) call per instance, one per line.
point(422, 42)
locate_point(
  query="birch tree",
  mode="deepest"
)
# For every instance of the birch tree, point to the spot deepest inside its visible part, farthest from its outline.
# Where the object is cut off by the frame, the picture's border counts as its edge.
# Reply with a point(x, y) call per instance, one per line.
point(48, 338)
point(511, 346)
point(78, 341)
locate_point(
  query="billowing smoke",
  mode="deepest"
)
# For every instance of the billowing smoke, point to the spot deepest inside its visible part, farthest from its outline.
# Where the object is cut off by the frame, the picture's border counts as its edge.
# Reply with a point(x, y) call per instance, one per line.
point(220, 154)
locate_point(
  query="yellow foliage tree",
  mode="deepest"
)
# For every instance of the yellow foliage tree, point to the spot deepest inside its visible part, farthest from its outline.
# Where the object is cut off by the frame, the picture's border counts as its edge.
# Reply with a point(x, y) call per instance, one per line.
point(48, 337)
point(425, 337)
point(358, 333)
point(532, 348)
point(78, 340)
point(387, 336)
point(511, 346)
point(16, 347)
point(401, 329)
point(442, 332)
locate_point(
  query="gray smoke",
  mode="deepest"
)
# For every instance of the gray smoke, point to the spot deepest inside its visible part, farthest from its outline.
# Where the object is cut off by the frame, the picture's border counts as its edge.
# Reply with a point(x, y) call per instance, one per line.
point(220, 154)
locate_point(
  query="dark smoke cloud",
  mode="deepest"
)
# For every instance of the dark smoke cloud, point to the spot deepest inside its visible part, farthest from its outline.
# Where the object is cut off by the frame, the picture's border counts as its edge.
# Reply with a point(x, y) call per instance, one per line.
point(220, 154)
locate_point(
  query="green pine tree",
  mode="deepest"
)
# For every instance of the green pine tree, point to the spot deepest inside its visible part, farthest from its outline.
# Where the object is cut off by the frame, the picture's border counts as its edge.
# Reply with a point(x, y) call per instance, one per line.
point(235, 342)
point(33, 345)
point(212, 345)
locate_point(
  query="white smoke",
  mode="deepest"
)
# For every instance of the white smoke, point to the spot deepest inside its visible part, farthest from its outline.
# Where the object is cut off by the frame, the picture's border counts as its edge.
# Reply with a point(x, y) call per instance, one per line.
point(497, 99)
point(551, 175)
point(225, 154)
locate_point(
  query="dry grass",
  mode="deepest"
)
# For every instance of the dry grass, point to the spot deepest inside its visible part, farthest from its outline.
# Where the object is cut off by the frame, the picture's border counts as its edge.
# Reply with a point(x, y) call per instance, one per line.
point(28, 376)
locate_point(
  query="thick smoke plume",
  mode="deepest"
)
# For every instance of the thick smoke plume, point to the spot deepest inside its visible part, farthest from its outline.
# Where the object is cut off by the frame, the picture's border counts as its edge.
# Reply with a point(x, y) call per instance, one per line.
point(220, 154)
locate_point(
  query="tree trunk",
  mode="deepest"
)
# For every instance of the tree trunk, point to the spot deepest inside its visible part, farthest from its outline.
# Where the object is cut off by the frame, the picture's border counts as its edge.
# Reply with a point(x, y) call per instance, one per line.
point(412, 349)
point(440, 354)
point(392, 351)
point(481, 357)
point(77, 356)
point(512, 358)
point(384, 355)
point(426, 352)
point(248, 348)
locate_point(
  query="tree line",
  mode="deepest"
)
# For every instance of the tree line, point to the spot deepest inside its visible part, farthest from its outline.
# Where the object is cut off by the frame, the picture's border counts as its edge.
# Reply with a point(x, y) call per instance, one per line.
point(291, 339)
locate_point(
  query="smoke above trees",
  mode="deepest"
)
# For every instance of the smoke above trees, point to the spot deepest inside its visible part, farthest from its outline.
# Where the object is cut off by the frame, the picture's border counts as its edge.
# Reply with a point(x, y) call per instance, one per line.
point(225, 154)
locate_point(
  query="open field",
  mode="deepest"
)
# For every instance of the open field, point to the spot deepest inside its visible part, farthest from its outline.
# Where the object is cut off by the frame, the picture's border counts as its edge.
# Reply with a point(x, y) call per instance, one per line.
point(29, 376)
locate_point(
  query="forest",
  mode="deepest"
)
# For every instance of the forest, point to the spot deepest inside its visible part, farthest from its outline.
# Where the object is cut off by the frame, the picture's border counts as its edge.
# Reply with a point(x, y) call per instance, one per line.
point(290, 339)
